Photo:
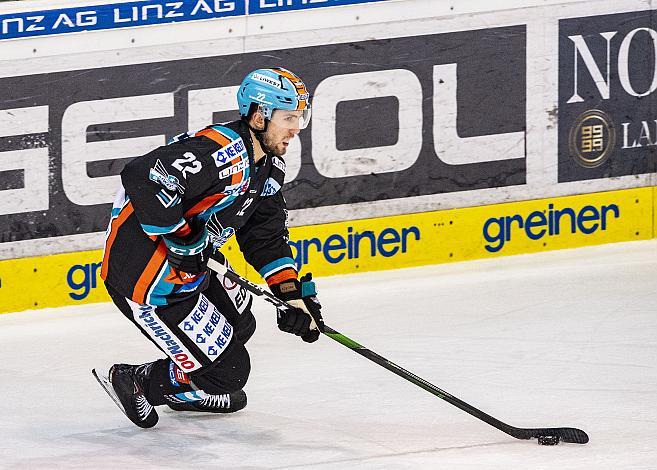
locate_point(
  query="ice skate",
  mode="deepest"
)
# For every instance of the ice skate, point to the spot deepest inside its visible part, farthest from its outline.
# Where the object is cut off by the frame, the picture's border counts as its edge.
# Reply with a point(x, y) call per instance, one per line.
point(124, 386)
point(224, 403)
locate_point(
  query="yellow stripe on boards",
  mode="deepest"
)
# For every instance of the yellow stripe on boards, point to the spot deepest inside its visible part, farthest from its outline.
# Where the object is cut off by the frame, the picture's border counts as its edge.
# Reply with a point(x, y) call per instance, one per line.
point(379, 243)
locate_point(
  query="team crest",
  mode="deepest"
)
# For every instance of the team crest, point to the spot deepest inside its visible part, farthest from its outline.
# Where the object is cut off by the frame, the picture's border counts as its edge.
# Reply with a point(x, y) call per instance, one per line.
point(160, 175)
point(219, 235)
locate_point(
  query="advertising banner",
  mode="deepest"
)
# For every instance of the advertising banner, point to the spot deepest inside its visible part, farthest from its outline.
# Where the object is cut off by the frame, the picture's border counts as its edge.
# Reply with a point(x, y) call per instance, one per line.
point(392, 118)
point(377, 244)
point(113, 15)
point(270, 6)
point(117, 15)
point(607, 99)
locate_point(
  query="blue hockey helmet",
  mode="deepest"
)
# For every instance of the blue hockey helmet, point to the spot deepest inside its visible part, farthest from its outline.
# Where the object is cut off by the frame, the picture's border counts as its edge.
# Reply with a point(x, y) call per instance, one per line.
point(274, 90)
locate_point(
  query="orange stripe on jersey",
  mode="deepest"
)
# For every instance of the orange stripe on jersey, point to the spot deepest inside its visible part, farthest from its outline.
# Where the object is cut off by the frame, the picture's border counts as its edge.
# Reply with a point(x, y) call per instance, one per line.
point(114, 228)
point(204, 204)
point(237, 177)
point(222, 140)
point(215, 135)
point(150, 272)
point(284, 275)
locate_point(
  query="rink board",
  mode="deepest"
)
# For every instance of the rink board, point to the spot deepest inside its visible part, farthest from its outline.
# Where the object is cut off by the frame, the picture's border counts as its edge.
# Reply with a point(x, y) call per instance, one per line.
point(379, 243)
point(477, 103)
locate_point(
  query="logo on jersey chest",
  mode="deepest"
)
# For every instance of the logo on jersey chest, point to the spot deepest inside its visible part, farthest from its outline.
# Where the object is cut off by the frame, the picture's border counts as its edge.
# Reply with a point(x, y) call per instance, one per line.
point(238, 189)
point(229, 152)
point(271, 187)
point(234, 169)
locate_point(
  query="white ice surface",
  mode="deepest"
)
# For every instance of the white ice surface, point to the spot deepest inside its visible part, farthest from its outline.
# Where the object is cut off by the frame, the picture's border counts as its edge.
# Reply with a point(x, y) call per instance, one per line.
point(565, 338)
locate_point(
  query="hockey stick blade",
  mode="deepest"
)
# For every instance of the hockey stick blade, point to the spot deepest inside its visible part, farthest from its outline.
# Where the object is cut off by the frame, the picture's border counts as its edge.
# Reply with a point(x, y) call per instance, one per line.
point(571, 435)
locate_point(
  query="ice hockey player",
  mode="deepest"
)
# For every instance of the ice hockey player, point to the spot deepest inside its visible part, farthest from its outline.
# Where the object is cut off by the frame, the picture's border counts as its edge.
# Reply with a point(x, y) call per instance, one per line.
point(177, 205)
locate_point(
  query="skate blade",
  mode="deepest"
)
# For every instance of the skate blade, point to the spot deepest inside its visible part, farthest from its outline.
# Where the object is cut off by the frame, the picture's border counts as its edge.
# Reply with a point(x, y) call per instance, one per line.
point(104, 382)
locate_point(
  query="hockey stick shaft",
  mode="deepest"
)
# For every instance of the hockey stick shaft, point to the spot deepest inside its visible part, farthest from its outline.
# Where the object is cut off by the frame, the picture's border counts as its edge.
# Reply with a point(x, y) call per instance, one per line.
point(566, 434)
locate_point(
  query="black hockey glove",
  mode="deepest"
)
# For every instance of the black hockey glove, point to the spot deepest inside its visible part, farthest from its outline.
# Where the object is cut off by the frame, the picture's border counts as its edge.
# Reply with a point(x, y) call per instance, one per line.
point(189, 255)
point(304, 319)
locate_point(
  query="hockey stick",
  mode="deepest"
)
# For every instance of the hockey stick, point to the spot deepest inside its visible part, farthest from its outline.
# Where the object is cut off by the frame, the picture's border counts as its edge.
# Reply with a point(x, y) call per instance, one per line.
point(547, 436)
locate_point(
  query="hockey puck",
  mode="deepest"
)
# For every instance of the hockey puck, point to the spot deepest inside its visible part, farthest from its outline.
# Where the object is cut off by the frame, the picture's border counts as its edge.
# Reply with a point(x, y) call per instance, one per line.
point(548, 440)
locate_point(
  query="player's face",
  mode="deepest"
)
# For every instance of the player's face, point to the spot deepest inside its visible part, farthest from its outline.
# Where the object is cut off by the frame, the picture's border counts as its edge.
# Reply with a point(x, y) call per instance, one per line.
point(279, 134)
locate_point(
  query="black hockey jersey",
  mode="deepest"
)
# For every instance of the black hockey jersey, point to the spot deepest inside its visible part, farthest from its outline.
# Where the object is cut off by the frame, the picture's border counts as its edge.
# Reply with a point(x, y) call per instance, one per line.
point(208, 177)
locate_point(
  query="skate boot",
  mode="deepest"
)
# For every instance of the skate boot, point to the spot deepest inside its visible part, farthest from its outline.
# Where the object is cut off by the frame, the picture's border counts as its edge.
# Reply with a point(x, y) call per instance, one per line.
point(224, 403)
point(124, 385)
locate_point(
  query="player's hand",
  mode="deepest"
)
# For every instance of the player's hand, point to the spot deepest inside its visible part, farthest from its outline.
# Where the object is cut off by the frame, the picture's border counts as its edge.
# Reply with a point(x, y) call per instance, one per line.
point(304, 319)
point(189, 255)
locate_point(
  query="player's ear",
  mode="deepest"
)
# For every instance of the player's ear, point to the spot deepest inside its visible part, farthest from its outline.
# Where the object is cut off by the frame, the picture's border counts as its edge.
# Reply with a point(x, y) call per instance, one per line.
point(258, 119)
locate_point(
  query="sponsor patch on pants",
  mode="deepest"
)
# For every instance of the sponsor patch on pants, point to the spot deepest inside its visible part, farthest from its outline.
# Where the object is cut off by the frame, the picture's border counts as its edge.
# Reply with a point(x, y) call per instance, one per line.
point(146, 317)
point(238, 294)
point(208, 328)
point(177, 376)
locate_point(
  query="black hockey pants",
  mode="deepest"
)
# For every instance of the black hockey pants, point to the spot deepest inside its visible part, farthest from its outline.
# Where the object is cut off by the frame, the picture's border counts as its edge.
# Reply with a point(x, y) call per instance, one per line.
point(203, 337)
